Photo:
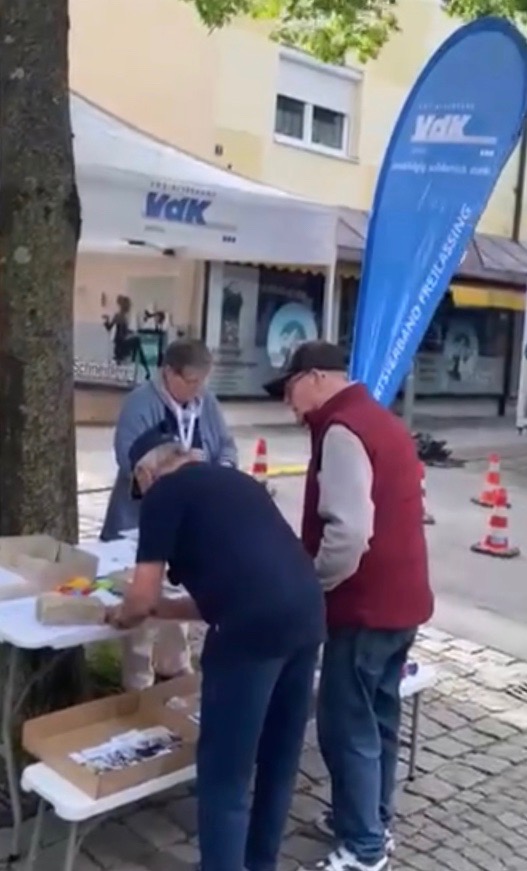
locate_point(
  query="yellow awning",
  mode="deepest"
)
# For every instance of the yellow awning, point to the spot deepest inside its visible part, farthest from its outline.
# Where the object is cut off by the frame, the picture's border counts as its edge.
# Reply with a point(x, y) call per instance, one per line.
point(472, 296)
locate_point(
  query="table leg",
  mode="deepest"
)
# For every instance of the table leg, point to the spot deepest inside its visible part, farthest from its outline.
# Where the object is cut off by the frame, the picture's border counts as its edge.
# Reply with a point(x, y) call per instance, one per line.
point(36, 837)
point(414, 735)
point(8, 707)
point(71, 847)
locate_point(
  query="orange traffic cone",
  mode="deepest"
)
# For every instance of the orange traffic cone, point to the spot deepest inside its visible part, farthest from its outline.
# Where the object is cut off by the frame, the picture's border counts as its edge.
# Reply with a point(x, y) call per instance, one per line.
point(496, 541)
point(428, 519)
point(492, 484)
point(260, 469)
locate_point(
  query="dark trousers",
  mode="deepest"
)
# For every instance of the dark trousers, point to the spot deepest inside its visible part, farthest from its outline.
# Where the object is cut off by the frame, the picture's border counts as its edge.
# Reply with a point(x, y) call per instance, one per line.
point(358, 719)
point(253, 714)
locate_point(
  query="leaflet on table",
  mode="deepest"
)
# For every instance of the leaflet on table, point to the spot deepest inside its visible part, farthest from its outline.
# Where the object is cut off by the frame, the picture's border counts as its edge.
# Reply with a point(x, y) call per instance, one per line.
point(127, 749)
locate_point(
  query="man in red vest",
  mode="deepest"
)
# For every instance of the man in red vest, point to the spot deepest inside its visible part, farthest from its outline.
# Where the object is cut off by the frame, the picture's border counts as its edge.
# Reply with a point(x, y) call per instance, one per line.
point(363, 526)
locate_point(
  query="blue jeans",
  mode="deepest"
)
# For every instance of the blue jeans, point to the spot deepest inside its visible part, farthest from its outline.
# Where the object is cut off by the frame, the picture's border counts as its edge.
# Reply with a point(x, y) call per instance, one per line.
point(253, 713)
point(358, 720)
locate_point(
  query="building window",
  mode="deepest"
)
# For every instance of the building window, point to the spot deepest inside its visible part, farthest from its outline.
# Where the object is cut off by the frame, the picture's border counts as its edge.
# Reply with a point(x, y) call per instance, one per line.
point(328, 128)
point(316, 105)
point(290, 116)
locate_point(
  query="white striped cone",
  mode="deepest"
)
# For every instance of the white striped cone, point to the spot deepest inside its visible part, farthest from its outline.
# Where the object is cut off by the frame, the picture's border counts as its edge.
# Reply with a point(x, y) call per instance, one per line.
point(496, 541)
point(491, 484)
point(428, 519)
point(260, 469)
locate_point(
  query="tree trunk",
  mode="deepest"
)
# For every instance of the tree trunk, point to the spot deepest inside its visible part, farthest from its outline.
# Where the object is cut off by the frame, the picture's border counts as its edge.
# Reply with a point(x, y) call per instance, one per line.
point(39, 231)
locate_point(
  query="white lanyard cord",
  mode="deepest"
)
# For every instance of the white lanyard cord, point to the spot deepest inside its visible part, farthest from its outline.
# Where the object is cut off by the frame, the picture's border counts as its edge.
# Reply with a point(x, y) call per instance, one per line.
point(186, 432)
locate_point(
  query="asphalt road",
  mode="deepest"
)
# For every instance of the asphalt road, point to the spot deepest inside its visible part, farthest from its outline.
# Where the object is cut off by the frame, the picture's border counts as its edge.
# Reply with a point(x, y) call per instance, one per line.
point(478, 597)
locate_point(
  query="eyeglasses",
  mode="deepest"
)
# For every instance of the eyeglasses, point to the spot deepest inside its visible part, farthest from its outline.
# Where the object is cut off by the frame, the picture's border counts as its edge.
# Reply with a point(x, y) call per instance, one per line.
point(295, 379)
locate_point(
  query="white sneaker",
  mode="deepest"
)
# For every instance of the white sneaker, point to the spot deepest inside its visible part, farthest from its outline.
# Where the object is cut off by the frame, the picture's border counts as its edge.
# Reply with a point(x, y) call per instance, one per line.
point(389, 843)
point(324, 825)
point(343, 860)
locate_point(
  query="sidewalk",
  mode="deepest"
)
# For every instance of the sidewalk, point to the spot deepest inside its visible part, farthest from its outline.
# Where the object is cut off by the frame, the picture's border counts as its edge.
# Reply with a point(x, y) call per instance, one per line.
point(466, 810)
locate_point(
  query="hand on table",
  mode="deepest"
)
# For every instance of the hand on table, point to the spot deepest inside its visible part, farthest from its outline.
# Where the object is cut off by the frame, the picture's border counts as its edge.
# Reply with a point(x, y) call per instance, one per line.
point(117, 618)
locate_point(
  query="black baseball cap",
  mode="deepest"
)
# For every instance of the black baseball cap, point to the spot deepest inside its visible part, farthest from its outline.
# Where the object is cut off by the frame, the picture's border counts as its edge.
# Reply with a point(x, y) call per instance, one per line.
point(308, 356)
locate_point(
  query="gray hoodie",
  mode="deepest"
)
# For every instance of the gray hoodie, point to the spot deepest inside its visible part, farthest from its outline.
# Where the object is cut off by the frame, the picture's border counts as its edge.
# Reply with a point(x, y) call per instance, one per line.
point(145, 408)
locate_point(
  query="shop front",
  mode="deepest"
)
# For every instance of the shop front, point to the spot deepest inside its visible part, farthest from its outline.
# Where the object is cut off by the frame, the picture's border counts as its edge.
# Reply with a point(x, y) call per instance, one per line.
point(254, 317)
point(127, 308)
point(468, 350)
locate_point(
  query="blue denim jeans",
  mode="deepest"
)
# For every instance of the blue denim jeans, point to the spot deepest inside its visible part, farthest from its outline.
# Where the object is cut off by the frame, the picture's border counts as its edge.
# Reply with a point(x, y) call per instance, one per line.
point(253, 714)
point(358, 721)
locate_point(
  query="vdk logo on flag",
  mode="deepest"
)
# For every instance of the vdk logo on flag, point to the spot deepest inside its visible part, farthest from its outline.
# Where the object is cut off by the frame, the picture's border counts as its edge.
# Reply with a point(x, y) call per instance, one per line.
point(447, 129)
point(456, 131)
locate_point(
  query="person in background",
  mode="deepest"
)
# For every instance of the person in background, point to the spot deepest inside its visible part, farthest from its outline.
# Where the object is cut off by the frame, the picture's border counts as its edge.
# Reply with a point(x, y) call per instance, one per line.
point(250, 579)
point(175, 402)
point(127, 346)
point(363, 526)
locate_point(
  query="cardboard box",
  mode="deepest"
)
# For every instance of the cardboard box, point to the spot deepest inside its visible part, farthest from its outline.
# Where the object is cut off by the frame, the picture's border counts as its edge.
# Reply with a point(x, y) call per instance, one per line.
point(13, 586)
point(43, 562)
point(179, 697)
point(53, 737)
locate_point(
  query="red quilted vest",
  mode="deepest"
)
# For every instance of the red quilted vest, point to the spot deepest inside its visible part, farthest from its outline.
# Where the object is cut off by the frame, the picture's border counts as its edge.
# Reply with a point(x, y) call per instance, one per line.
point(390, 589)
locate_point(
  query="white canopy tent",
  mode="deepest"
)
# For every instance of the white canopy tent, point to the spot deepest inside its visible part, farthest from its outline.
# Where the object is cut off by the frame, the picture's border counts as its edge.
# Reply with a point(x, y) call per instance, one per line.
point(137, 189)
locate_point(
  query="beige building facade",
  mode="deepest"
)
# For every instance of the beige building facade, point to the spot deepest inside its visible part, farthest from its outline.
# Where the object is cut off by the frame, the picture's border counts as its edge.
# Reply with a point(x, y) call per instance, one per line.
point(236, 99)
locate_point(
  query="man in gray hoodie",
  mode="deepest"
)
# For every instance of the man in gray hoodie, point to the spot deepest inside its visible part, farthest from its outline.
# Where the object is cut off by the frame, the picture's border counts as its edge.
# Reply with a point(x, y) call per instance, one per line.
point(175, 402)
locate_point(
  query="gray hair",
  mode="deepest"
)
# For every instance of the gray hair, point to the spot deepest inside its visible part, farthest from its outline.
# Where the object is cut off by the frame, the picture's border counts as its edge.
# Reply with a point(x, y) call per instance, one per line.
point(187, 353)
point(161, 456)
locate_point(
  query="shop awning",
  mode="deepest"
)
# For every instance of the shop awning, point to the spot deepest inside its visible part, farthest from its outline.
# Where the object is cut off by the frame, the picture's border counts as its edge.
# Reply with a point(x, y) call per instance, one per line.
point(492, 260)
point(135, 188)
point(471, 296)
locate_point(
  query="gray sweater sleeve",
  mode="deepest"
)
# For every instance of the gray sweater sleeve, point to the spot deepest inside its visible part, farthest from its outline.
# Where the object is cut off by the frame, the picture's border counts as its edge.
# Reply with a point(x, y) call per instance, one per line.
point(345, 506)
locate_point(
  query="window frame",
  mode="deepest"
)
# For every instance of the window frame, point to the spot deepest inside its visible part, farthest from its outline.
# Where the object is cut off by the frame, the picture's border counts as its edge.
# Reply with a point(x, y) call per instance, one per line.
point(306, 142)
point(353, 76)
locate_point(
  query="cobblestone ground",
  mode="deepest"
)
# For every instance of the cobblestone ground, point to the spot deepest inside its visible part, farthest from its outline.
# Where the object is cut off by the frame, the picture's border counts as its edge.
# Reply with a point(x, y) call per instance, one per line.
point(465, 811)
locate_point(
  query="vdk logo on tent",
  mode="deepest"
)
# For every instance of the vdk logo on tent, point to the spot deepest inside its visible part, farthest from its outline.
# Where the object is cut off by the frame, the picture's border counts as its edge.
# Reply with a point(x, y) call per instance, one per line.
point(181, 210)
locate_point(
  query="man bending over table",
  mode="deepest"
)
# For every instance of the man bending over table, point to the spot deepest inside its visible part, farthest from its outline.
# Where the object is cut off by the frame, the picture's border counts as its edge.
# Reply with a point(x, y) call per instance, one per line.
point(249, 578)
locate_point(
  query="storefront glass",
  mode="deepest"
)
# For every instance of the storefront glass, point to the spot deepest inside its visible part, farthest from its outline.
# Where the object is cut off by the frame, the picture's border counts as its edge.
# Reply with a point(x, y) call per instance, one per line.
point(463, 353)
point(255, 317)
point(126, 310)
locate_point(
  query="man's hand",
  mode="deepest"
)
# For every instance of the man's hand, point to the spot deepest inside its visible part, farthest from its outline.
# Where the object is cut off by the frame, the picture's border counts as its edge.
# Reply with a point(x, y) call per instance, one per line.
point(183, 608)
point(117, 618)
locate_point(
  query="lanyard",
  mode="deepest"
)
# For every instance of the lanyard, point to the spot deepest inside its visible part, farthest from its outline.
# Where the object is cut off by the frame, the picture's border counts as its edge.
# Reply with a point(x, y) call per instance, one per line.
point(186, 425)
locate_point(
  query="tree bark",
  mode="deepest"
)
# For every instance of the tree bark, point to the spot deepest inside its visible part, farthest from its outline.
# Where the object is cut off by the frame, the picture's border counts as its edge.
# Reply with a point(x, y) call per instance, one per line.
point(39, 231)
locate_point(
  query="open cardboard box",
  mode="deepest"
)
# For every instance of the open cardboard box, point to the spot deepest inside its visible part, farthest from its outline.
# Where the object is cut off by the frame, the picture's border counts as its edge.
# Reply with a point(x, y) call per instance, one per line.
point(44, 563)
point(179, 697)
point(53, 737)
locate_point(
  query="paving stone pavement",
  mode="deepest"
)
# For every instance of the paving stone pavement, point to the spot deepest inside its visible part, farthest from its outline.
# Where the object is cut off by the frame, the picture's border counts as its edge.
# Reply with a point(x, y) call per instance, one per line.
point(465, 811)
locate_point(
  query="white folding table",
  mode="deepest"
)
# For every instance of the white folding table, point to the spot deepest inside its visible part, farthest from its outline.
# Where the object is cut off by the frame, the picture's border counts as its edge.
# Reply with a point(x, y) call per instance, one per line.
point(78, 810)
point(20, 630)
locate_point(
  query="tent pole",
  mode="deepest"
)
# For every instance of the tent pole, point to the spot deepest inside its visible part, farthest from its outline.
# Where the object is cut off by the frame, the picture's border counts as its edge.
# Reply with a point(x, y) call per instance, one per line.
point(409, 397)
point(328, 314)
